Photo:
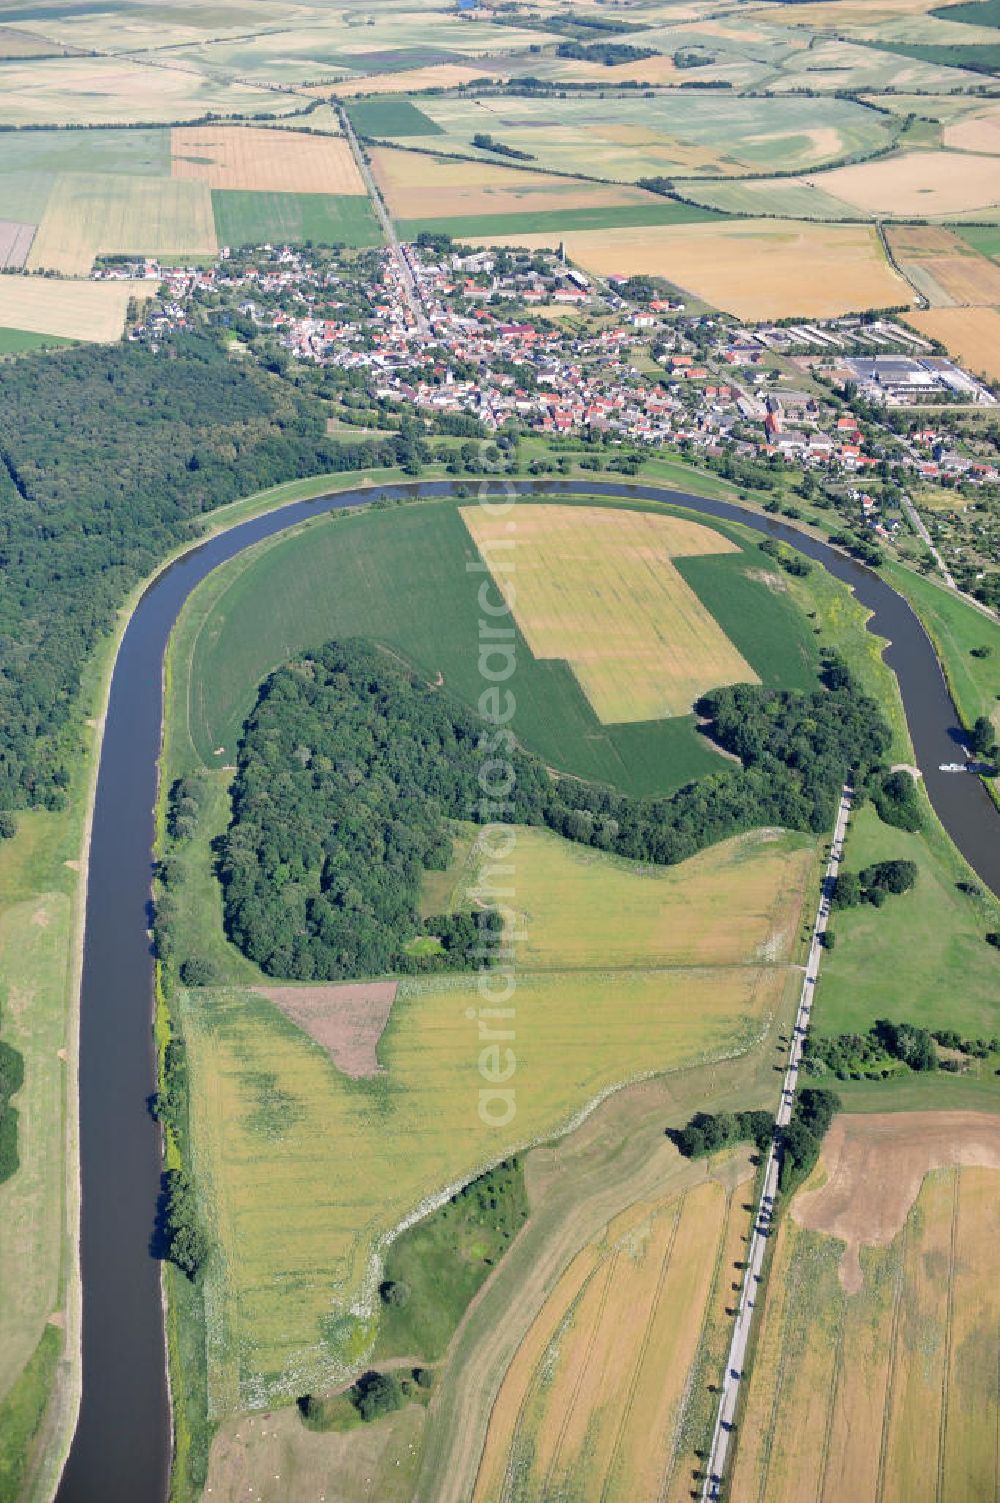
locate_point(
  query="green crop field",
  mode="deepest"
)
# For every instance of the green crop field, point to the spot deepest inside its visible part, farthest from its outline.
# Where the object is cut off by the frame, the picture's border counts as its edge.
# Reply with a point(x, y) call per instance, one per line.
point(983, 238)
point(16, 341)
point(243, 217)
point(391, 117)
point(467, 226)
point(346, 577)
point(683, 135)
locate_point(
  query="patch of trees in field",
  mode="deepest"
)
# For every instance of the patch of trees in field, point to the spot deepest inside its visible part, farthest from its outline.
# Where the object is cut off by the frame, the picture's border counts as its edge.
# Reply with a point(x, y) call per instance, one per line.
point(874, 884)
point(109, 457)
point(484, 142)
point(350, 769)
point(708, 1132)
point(611, 54)
point(814, 1110)
point(11, 1081)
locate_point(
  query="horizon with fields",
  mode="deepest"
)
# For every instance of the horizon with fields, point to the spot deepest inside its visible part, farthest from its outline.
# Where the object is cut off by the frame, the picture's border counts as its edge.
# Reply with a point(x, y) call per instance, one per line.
point(499, 751)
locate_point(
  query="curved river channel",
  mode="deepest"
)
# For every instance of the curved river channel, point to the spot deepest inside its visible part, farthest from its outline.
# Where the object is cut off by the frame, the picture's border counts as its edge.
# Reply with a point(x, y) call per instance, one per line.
point(120, 1453)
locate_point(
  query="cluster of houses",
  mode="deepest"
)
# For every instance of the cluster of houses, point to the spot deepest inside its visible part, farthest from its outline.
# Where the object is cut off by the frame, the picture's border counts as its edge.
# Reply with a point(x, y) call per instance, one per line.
point(500, 335)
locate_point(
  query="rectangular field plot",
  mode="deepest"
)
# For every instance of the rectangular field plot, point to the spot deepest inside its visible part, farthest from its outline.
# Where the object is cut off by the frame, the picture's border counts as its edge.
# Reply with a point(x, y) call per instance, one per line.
point(755, 268)
point(972, 335)
point(15, 243)
point(599, 590)
point(76, 310)
point(391, 117)
point(948, 270)
point(922, 183)
point(91, 213)
point(276, 161)
point(875, 1373)
point(243, 218)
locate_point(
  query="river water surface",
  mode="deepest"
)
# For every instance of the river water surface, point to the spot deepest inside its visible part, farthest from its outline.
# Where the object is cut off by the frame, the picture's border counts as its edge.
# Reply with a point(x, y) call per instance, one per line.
point(121, 1450)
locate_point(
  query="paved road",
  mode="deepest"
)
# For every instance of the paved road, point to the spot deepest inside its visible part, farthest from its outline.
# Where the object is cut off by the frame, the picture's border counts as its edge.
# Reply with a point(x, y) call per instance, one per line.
point(407, 280)
point(716, 1466)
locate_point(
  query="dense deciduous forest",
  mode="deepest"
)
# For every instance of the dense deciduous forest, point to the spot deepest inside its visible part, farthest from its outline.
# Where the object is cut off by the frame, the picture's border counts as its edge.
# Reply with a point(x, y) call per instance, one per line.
point(108, 456)
point(350, 769)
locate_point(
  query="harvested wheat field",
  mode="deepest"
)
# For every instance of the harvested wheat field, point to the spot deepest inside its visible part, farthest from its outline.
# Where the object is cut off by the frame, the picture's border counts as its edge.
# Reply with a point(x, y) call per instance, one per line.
point(437, 76)
point(93, 212)
point(92, 311)
point(875, 1374)
point(948, 271)
point(346, 1019)
point(413, 185)
point(597, 588)
point(979, 132)
point(918, 182)
point(754, 268)
point(595, 1404)
point(261, 160)
point(972, 335)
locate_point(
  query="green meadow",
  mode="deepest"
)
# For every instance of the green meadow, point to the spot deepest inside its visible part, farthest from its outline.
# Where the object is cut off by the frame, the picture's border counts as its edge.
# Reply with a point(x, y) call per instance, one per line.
point(391, 117)
point(244, 217)
point(467, 226)
point(401, 577)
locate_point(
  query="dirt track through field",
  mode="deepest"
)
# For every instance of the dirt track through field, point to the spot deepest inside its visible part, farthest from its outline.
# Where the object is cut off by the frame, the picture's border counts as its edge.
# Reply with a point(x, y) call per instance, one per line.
point(875, 1167)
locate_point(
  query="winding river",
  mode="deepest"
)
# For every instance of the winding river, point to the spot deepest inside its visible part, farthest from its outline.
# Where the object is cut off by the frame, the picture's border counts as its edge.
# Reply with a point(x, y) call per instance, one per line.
point(121, 1450)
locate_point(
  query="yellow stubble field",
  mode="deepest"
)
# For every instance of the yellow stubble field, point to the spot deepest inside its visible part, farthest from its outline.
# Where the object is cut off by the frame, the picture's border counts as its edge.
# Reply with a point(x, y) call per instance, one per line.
point(411, 182)
point(595, 1404)
point(598, 588)
point(917, 182)
point(278, 161)
point(93, 311)
point(875, 1374)
point(972, 335)
point(754, 268)
point(92, 212)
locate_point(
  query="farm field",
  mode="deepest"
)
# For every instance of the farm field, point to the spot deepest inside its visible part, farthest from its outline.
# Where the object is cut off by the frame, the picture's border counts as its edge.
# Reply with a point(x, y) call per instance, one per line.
point(755, 268)
point(92, 213)
point(923, 183)
point(977, 132)
point(248, 218)
point(933, 932)
point(972, 335)
point(277, 161)
point(99, 90)
point(875, 1367)
point(686, 135)
point(595, 1404)
point(415, 184)
point(341, 577)
point(794, 197)
point(946, 267)
point(75, 310)
point(598, 589)
point(437, 76)
point(297, 1224)
point(579, 911)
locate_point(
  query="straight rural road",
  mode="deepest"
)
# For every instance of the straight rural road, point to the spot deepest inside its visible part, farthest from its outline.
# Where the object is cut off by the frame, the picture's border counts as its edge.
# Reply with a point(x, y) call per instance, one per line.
point(407, 281)
point(925, 538)
point(722, 1434)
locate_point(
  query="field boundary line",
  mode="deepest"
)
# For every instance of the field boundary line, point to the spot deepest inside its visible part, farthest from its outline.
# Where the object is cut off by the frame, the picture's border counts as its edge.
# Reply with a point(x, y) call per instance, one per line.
point(715, 1289)
point(838, 1369)
point(637, 1366)
point(612, 1263)
point(949, 1321)
point(890, 1382)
